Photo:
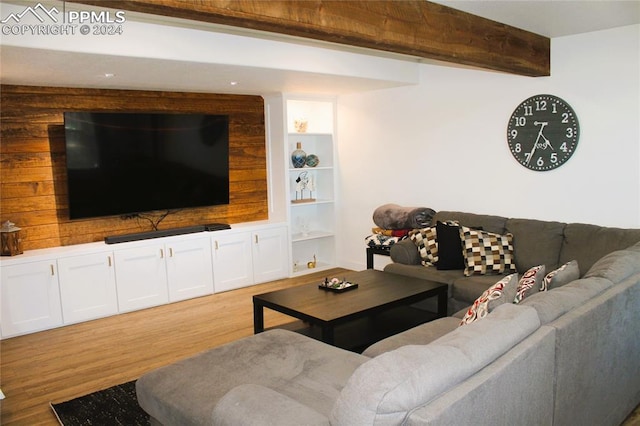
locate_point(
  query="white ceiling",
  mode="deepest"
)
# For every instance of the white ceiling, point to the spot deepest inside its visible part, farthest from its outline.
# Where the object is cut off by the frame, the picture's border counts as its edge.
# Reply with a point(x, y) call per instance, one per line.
point(29, 63)
point(554, 18)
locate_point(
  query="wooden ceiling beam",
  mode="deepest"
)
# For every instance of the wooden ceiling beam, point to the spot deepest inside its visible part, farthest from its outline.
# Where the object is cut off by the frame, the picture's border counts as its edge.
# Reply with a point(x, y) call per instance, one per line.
point(411, 27)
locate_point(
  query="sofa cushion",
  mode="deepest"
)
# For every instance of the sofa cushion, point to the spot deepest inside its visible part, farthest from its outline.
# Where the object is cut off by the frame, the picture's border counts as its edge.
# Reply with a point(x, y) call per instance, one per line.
point(426, 242)
point(616, 266)
point(501, 292)
point(561, 276)
point(405, 252)
point(420, 335)
point(553, 303)
point(449, 246)
point(386, 388)
point(536, 242)
point(588, 243)
point(261, 406)
point(530, 283)
point(485, 222)
point(468, 289)
point(487, 252)
point(297, 366)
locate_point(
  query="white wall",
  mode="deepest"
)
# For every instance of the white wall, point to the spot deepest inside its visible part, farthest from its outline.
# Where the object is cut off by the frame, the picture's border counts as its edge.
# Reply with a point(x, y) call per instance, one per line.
point(442, 143)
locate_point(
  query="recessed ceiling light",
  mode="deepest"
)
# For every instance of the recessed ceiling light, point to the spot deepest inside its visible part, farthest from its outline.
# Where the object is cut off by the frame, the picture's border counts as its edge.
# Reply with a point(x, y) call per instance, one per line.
point(234, 83)
point(108, 75)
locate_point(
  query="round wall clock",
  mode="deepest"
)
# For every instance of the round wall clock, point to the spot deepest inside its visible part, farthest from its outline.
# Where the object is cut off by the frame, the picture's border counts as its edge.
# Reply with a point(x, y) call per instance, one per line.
point(543, 132)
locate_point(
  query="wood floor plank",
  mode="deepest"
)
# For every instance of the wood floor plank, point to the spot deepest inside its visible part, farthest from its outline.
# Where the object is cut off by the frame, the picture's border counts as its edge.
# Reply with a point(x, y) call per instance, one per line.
point(64, 363)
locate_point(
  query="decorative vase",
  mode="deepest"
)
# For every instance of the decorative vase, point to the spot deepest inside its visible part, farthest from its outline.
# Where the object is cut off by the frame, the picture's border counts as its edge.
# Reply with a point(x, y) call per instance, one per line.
point(298, 157)
point(312, 160)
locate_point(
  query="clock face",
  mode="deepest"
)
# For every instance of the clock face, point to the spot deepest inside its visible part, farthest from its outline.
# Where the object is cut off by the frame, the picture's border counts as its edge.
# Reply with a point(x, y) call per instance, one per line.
point(543, 132)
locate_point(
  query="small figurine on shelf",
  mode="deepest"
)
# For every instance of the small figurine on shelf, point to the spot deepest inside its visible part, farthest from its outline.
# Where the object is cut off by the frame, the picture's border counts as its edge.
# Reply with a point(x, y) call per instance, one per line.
point(313, 263)
point(300, 125)
point(304, 182)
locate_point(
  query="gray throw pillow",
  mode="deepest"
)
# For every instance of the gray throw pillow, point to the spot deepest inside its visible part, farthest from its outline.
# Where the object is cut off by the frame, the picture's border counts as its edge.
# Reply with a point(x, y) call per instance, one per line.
point(561, 276)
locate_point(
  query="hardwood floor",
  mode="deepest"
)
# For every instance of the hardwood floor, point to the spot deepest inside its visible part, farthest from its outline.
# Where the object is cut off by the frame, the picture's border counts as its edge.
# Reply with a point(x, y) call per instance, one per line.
point(61, 364)
point(64, 363)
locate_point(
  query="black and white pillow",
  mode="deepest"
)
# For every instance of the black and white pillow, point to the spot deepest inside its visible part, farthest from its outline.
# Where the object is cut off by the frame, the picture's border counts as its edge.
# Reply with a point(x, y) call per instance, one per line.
point(486, 252)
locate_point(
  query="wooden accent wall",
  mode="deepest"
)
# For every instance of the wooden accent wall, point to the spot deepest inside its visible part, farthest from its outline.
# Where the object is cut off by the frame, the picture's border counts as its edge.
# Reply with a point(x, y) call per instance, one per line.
point(33, 191)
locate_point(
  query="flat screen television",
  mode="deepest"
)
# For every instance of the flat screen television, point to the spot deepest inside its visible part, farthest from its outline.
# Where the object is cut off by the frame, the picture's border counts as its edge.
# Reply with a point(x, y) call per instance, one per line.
point(128, 163)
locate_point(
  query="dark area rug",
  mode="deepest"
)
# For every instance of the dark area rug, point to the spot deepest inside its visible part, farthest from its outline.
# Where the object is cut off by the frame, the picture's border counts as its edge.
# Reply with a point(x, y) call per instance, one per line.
point(117, 405)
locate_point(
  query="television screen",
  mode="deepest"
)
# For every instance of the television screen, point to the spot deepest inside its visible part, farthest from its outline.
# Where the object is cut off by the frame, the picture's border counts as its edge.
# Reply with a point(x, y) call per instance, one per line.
point(127, 163)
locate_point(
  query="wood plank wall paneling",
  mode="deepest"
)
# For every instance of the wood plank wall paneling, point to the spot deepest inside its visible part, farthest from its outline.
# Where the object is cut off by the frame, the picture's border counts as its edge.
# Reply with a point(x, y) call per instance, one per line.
point(33, 191)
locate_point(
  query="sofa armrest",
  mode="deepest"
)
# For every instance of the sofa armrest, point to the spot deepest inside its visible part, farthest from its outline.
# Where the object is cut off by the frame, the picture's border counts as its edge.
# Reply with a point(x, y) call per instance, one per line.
point(405, 252)
point(258, 405)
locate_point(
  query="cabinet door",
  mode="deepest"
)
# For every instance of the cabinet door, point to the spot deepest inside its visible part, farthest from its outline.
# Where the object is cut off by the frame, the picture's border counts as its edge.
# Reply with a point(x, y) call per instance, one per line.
point(232, 267)
point(189, 269)
point(30, 298)
point(269, 255)
point(87, 287)
point(141, 277)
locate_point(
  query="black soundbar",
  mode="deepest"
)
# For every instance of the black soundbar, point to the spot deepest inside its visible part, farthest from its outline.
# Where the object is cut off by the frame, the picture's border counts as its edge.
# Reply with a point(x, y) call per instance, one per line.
point(165, 233)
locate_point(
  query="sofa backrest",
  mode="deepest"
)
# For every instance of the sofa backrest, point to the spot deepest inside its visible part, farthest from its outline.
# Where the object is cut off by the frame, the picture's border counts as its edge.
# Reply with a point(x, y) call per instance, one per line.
point(485, 222)
point(550, 243)
point(588, 243)
point(515, 389)
point(388, 387)
point(597, 378)
point(536, 242)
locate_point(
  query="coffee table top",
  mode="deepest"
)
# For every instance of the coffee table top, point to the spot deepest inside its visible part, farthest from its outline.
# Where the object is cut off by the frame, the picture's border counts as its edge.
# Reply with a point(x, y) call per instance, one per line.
point(377, 290)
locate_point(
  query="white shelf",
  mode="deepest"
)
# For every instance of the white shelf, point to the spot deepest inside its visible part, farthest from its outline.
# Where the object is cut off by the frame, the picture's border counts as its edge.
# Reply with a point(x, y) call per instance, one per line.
point(311, 236)
point(306, 168)
point(311, 203)
point(303, 270)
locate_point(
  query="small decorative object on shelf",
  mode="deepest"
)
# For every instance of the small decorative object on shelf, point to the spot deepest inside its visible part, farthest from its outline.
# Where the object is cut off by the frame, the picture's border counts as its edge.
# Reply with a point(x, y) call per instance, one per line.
point(337, 285)
point(303, 226)
point(304, 182)
point(300, 125)
point(313, 263)
point(312, 160)
point(11, 242)
point(298, 157)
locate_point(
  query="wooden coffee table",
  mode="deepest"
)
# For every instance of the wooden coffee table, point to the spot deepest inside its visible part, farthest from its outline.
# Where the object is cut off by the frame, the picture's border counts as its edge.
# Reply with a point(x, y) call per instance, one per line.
point(378, 294)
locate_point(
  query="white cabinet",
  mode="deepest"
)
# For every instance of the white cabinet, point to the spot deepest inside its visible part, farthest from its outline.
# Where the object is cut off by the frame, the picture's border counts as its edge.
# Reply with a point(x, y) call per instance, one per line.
point(87, 287)
point(232, 260)
point(245, 258)
point(270, 254)
point(30, 298)
point(154, 274)
point(189, 268)
point(48, 288)
point(141, 277)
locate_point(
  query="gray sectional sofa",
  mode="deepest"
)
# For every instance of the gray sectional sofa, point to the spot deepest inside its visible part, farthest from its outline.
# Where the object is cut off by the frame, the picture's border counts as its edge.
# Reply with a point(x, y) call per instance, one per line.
point(567, 356)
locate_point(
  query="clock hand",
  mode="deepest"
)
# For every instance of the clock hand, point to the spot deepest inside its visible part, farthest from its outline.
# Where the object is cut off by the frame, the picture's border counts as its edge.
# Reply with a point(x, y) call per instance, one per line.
point(542, 124)
point(547, 143)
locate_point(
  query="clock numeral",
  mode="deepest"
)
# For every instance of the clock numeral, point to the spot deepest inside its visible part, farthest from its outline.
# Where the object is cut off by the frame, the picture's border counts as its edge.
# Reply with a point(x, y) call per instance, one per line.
point(514, 134)
point(570, 132)
point(554, 157)
point(517, 148)
point(528, 110)
point(541, 105)
point(520, 121)
point(554, 108)
point(565, 117)
point(540, 162)
point(563, 147)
